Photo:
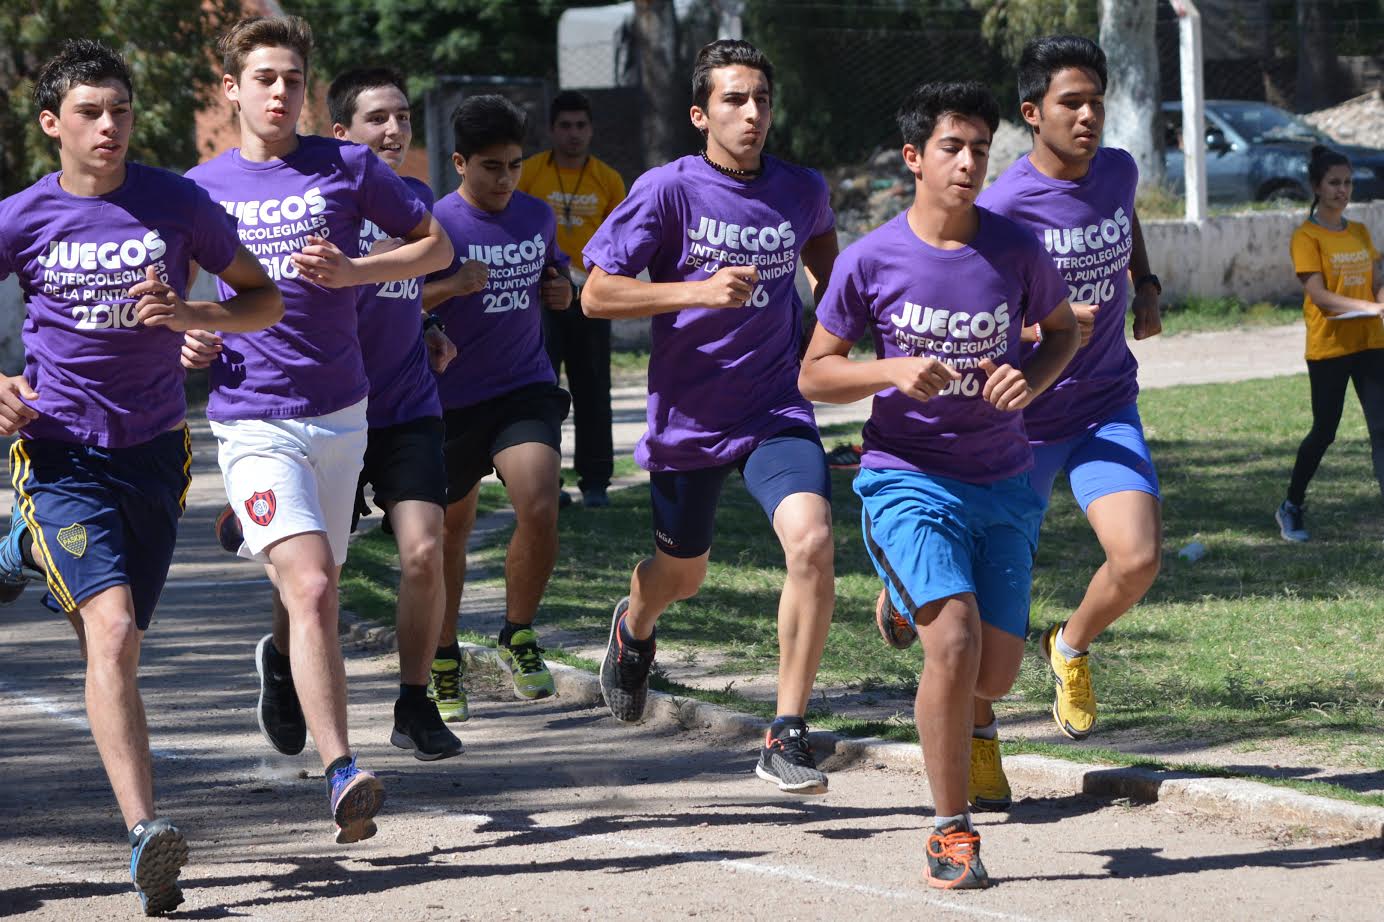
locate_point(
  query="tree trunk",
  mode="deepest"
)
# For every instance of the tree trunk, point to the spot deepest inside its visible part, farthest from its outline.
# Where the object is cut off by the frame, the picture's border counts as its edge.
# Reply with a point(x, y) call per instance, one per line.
point(1316, 64)
point(1132, 117)
point(656, 37)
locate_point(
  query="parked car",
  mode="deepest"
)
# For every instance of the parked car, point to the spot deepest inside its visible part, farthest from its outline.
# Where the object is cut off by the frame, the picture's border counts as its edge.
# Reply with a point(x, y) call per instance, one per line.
point(1256, 152)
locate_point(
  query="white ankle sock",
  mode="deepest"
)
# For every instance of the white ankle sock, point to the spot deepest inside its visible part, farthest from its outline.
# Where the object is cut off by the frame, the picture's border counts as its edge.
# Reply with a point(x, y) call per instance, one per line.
point(1066, 651)
point(963, 818)
point(990, 731)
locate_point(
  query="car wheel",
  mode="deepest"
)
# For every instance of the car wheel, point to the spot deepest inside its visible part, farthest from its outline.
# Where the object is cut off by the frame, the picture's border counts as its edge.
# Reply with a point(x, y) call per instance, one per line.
point(1283, 189)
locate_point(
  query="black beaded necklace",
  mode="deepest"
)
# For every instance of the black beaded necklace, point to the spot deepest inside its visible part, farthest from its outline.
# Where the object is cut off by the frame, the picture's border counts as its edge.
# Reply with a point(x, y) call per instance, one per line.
point(732, 172)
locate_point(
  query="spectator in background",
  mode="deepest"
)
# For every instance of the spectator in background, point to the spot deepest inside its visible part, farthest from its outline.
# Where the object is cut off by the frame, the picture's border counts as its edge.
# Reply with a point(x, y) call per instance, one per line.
point(582, 190)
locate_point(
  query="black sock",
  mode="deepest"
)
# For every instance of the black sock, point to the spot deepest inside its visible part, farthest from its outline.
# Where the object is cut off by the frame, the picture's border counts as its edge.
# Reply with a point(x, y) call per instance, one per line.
point(784, 722)
point(643, 646)
point(26, 551)
point(277, 661)
point(412, 694)
point(137, 831)
point(509, 631)
point(453, 652)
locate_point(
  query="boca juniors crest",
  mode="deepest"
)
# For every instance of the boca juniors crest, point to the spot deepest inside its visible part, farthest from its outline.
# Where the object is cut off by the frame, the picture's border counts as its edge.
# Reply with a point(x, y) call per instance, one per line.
point(261, 507)
point(73, 539)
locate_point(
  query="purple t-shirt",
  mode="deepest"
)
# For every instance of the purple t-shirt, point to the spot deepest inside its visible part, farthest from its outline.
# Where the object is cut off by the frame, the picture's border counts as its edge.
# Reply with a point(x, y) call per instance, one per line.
point(402, 385)
point(309, 363)
point(498, 330)
point(960, 306)
point(720, 381)
point(1087, 228)
point(103, 378)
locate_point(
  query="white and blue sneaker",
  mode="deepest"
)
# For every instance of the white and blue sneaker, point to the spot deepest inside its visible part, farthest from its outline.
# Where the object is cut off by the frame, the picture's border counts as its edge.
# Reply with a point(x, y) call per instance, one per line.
point(356, 796)
point(14, 575)
point(157, 856)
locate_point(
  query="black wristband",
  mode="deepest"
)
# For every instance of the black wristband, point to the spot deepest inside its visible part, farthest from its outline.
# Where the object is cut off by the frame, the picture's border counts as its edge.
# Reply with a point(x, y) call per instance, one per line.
point(1139, 282)
point(433, 322)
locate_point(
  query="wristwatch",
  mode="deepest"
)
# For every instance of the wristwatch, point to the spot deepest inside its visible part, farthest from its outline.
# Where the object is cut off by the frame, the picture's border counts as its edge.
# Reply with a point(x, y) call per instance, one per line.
point(433, 322)
point(1139, 283)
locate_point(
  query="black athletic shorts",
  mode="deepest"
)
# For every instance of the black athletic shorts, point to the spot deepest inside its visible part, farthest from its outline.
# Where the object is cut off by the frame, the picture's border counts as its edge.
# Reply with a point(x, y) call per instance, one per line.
point(476, 434)
point(403, 462)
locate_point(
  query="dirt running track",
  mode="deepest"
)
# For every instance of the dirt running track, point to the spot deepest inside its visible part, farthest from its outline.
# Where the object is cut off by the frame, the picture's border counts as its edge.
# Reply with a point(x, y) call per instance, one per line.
point(555, 811)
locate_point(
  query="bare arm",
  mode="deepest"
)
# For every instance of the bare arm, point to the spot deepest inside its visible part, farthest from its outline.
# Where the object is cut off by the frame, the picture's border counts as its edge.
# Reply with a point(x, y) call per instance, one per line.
point(818, 257)
point(425, 249)
point(1148, 315)
point(619, 297)
point(829, 375)
point(470, 277)
point(1332, 303)
point(256, 304)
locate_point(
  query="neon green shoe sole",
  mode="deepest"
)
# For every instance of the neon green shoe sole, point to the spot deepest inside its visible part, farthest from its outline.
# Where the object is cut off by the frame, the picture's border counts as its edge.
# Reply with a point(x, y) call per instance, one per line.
point(523, 659)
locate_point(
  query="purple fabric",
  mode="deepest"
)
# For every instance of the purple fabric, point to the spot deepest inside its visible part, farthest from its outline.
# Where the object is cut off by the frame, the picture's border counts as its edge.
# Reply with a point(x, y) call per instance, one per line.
point(103, 379)
point(498, 330)
point(720, 381)
point(309, 363)
point(1087, 228)
point(402, 385)
point(960, 306)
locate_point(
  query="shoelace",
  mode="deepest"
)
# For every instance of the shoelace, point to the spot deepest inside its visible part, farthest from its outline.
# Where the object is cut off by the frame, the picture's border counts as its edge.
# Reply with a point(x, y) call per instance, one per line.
point(1076, 680)
point(529, 656)
point(632, 665)
point(343, 774)
point(447, 683)
point(987, 764)
point(796, 749)
point(957, 848)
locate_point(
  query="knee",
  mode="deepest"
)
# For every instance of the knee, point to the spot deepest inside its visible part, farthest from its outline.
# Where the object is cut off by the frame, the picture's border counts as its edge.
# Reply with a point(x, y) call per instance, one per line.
point(809, 548)
point(993, 684)
point(112, 639)
point(537, 513)
point(420, 559)
point(685, 580)
point(953, 645)
point(1139, 565)
point(310, 596)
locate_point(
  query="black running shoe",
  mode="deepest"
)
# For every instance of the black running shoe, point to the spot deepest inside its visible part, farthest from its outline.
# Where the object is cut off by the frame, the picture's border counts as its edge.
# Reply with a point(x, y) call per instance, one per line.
point(157, 856)
point(625, 671)
point(228, 532)
point(279, 714)
point(419, 727)
point(788, 762)
point(845, 456)
point(953, 859)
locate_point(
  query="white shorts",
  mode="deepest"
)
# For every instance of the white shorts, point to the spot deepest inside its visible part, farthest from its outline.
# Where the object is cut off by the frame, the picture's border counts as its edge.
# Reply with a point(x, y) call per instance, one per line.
point(287, 477)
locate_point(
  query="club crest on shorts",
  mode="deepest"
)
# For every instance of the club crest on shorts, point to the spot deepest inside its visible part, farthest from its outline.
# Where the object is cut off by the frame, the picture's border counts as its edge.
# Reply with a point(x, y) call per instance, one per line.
point(73, 539)
point(261, 506)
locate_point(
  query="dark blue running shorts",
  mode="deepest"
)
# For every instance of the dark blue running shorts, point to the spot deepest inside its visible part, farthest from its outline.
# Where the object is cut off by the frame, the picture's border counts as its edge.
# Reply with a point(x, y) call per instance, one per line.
point(103, 517)
point(684, 502)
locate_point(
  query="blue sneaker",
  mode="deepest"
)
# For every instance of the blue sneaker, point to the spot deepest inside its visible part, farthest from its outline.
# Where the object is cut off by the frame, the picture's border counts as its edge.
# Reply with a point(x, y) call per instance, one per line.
point(356, 796)
point(158, 855)
point(14, 576)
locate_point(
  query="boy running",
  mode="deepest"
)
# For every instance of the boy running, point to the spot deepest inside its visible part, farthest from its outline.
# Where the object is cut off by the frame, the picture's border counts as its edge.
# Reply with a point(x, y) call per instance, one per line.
point(950, 520)
point(101, 467)
point(288, 404)
point(502, 408)
point(1078, 198)
point(721, 235)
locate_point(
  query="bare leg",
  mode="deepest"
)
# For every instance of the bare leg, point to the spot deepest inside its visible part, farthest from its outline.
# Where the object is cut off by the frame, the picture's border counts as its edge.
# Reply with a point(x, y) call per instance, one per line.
point(1001, 655)
point(658, 582)
point(1129, 526)
point(951, 634)
point(530, 472)
point(802, 522)
point(418, 618)
point(458, 521)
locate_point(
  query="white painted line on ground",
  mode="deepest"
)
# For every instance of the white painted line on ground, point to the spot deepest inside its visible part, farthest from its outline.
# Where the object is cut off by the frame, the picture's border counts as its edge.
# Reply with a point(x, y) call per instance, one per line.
point(74, 718)
point(912, 897)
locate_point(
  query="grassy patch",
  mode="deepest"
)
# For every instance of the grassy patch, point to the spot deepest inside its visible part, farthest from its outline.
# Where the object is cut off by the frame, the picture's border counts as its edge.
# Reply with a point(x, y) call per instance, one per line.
point(1259, 642)
point(1197, 315)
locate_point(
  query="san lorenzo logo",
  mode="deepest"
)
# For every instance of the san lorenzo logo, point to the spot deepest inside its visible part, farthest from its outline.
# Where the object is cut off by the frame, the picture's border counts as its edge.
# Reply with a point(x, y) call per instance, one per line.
point(261, 507)
point(73, 539)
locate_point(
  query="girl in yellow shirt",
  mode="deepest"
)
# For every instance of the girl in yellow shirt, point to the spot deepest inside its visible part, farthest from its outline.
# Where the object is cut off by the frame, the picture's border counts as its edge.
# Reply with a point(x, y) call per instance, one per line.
point(1343, 303)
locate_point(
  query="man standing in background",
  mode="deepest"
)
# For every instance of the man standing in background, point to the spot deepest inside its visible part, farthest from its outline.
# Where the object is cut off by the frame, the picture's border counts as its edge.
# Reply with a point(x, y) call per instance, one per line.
point(582, 190)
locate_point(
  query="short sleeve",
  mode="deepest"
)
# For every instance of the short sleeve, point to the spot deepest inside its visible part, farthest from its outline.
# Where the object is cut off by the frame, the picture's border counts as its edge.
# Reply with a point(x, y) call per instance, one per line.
point(627, 241)
point(1044, 286)
point(1307, 253)
point(824, 219)
point(384, 199)
point(214, 239)
point(844, 310)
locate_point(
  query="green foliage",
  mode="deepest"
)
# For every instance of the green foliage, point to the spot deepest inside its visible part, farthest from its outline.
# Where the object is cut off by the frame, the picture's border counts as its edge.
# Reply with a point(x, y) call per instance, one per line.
point(1010, 24)
point(165, 42)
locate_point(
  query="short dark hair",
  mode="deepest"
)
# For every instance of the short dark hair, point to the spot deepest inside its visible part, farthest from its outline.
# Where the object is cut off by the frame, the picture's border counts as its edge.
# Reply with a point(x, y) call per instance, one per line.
point(483, 121)
point(568, 101)
point(725, 52)
point(79, 62)
point(347, 87)
point(1322, 159)
point(920, 112)
point(292, 32)
point(1043, 57)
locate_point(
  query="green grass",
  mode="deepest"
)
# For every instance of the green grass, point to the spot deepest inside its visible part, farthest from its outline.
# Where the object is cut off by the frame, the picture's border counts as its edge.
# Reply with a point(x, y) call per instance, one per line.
point(1259, 643)
point(1197, 315)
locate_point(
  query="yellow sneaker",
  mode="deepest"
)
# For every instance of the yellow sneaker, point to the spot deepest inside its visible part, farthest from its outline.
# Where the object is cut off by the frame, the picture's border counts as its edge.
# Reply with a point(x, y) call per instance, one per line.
point(1074, 706)
point(444, 687)
point(989, 788)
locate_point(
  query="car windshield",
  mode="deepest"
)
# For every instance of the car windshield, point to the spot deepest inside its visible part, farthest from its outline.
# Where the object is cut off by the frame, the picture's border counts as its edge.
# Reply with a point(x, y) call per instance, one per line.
point(1268, 123)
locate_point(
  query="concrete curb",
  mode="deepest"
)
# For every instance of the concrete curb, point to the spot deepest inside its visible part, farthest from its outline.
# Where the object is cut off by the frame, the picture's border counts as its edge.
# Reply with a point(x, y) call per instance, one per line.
point(1245, 801)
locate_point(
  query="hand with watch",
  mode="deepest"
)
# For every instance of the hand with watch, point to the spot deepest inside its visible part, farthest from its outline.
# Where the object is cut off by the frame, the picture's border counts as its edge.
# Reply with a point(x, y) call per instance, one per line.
point(441, 349)
point(1148, 318)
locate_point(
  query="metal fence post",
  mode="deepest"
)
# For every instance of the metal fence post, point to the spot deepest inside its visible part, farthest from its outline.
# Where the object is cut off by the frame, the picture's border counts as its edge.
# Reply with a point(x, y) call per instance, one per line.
point(1193, 108)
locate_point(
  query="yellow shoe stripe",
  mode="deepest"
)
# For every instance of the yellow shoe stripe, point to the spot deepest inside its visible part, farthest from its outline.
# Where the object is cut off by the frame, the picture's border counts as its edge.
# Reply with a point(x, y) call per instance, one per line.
point(187, 468)
point(21, 466)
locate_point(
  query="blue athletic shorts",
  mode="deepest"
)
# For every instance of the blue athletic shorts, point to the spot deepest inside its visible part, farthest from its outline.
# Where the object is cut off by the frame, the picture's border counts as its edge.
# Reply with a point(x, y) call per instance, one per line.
point(684, 502)
point(103, 517)
point(934, 537)
point(1108, 458)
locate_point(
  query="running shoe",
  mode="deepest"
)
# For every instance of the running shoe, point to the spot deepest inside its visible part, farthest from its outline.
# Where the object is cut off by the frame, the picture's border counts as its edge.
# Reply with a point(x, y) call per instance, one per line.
point(988, 788)
point(953, 859)
point(522, 657)
point(1074, 705)
point(625, 671)
point(845, 456)
point(893, 627)
point(595, 499)
point(279, 714)
point(355, 796)
point(444, 688)
point(157, 857)
point(1292, 522)
point(419, 727)
point(787, 761)
point(228, 533)
point(14, 576)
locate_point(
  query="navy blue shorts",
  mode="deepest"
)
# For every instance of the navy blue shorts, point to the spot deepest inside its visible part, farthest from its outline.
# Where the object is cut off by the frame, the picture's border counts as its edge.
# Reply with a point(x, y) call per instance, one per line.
point(103, 517)
point(684, 502)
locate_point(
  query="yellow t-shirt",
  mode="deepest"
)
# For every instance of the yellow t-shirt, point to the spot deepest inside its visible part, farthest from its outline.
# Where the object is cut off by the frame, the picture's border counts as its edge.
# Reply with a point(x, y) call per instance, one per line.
point(1345, 259)
point(581, 199)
